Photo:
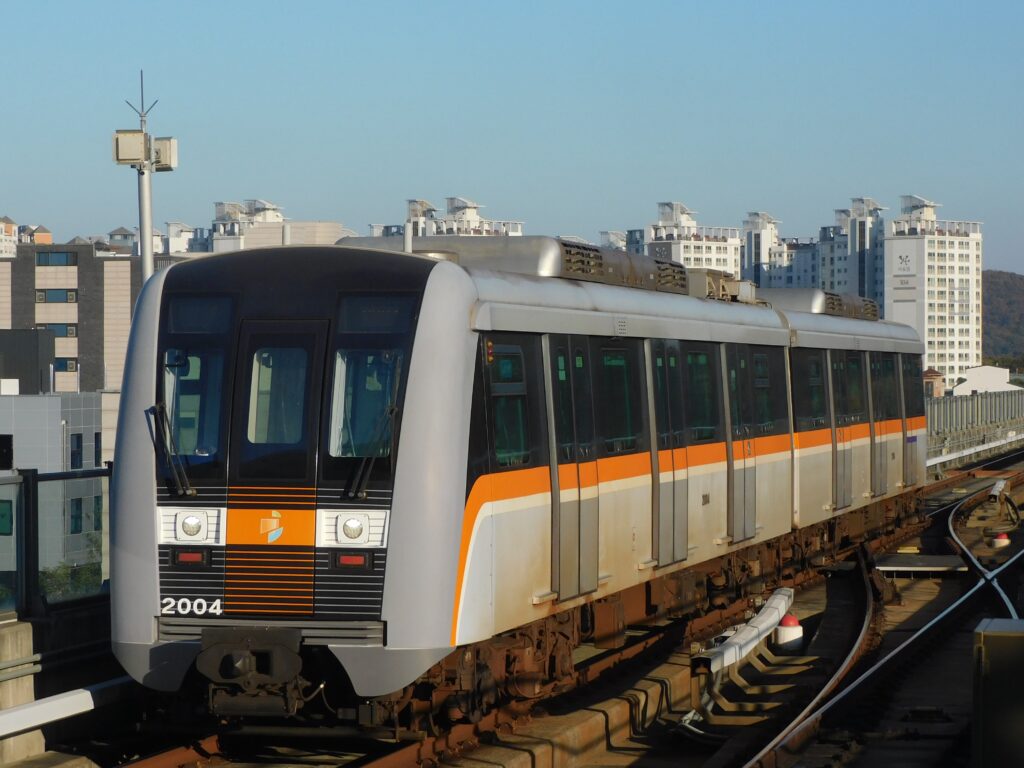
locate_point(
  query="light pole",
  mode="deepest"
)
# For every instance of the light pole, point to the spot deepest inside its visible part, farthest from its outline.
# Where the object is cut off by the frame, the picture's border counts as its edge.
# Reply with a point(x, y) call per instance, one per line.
point(145, 154)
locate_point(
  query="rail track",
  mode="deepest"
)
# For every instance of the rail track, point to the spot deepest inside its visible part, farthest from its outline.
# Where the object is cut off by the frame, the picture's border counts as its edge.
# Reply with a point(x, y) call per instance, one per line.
point(898, 710)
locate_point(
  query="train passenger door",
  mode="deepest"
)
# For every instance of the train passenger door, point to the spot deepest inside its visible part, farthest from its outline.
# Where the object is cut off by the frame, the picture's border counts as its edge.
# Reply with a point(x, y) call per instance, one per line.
point(275, 427)
point(668, 453)
point(912, 385)
point(886, 421)
point(742, 457)
point(574, 508)
point(850, 409)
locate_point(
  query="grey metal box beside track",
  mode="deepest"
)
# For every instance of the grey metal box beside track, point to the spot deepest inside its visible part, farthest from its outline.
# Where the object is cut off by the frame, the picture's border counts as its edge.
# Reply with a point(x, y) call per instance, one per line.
point(997, 737)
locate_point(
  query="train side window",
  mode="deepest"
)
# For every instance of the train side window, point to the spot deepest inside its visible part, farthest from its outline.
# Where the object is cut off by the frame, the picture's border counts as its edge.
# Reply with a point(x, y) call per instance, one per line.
point(514, 371)
point(885, 394)
point(810, 396)
point(617, 392)
point(702, 392)
point(768, 387)
point(848, 378)
point(913, 385)
point(277, 396)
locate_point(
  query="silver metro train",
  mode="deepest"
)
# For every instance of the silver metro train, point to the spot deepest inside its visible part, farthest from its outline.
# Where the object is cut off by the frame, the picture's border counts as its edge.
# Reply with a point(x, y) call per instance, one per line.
point(418, 482)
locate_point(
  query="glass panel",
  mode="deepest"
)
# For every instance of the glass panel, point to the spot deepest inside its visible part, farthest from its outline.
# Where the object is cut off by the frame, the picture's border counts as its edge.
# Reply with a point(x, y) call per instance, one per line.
point(913, 385)
point(362, 406)
point(277, 395)
point(9, 571)
point(885, 395)
point(193, 386)
point(565, 437)
point(583, 398)
point(509, 407)
point(661, 396)
point(618, 407)
point(75, 450)
point(810, 402)
point(702, 410)
point(377, 314)
point(199, 314)
point(73, 550)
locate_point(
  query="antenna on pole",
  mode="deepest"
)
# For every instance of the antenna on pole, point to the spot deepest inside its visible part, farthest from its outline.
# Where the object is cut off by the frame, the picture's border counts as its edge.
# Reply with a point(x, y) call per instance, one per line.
point(145, 155)
point(142, 111)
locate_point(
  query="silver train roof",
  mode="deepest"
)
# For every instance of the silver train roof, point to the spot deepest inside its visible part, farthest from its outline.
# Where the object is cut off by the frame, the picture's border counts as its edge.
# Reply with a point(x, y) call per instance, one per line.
point(512, 277)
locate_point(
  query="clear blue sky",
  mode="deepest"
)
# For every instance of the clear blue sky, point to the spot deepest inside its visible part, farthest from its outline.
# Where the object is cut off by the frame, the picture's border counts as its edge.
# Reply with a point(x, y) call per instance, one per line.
point(571, 116)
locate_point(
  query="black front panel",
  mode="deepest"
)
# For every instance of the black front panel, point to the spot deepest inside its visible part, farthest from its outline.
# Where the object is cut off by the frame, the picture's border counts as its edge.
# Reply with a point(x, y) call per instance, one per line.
point(280, 383)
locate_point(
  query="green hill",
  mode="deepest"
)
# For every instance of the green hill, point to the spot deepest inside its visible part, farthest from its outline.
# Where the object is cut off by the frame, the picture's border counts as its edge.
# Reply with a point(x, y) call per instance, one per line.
point(1003, 317)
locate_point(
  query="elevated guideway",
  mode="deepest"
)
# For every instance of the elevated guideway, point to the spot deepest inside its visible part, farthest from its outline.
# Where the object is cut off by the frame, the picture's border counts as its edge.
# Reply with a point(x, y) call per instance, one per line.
point(967, 428)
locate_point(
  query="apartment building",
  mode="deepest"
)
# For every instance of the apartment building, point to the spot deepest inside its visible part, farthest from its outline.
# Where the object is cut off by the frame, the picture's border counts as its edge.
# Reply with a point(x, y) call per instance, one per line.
point(676, 236)
point(933, 282)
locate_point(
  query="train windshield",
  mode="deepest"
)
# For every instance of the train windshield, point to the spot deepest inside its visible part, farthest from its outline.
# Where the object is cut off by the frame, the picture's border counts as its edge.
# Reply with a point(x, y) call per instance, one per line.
point(364, 402)
point(369, 363)
point(192, 380)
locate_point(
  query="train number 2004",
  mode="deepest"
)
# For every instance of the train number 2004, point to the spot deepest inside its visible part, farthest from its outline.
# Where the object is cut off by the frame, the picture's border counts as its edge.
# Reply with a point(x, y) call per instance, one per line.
point(199, 606)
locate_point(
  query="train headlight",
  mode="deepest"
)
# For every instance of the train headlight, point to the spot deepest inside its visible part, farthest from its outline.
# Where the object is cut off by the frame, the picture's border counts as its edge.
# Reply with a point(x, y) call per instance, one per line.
point(192, 524)
point(353, 528)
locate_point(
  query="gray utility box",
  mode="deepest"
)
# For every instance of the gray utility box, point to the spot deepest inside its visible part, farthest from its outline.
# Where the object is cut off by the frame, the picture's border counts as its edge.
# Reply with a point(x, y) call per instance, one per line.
point(997, 736)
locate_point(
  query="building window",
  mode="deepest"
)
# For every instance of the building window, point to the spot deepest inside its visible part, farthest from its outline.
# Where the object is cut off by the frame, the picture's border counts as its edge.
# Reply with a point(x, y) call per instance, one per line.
point(61, 330)
point(97, 513)
point(65, 364)
point(57, 296)
point(76, 450)
point(74, 515)
point(97, 448)
point(56, 259)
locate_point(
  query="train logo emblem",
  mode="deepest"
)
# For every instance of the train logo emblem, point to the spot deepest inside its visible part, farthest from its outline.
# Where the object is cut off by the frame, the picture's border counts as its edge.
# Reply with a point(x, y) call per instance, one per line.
point(272, 527)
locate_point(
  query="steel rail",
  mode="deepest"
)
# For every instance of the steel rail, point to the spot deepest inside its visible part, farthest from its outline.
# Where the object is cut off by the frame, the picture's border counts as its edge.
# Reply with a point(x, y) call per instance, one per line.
point(836, 678)
point(801, 729)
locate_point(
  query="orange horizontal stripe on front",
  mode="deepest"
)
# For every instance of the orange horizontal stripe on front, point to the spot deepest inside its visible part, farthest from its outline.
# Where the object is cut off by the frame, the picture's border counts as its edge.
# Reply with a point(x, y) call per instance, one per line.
point(237, 550)
point(231, 558)
point(812, 438)
point(915, 423)
point(623, 467)
point(276, 496)
point(766, 446)
point(274, 567)
point(233, 488)
point(706, 453)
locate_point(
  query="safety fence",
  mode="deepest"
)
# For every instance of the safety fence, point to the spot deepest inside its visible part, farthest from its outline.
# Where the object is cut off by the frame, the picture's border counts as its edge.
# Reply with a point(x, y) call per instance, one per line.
point(963, 426)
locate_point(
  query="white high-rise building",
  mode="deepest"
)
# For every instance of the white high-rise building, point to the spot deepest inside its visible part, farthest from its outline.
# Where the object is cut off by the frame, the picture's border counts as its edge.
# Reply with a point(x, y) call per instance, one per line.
point(760, 236)
point(933, 282)
point(677, 237)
